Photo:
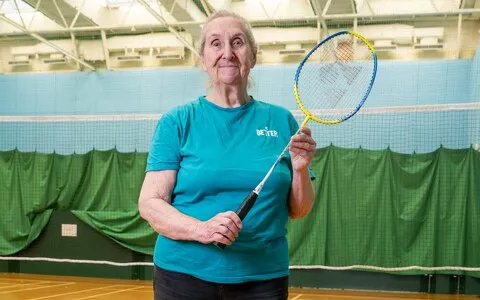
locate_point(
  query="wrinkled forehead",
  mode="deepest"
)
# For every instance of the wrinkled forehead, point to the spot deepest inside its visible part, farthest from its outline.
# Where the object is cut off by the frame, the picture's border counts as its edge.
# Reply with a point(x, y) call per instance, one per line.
point(222, 26)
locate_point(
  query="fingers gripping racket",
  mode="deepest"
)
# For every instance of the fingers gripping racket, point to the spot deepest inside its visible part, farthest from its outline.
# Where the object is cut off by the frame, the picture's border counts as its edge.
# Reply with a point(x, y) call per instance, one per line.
point(331, 84)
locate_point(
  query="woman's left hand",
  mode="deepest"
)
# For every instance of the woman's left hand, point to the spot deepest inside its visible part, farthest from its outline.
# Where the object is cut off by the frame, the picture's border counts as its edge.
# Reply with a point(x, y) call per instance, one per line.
point(302, 149)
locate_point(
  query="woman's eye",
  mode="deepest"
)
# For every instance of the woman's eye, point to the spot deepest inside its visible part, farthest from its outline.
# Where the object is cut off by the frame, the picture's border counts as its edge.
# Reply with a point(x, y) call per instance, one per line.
point(237, 43)
point(216, 43)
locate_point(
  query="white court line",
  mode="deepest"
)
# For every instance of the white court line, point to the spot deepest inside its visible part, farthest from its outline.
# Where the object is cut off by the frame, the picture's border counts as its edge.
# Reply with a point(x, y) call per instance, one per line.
point(343, 268)
point(37, 288)
point(71, 293)
point(292, 267)
point(147, 288)
point(297, 297)
point(20, 284)
point(78, 261)
point(109, 293)
point(15, 280)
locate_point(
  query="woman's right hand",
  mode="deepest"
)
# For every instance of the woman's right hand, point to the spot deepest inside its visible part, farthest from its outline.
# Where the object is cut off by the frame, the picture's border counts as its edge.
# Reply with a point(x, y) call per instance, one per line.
point(222, 228)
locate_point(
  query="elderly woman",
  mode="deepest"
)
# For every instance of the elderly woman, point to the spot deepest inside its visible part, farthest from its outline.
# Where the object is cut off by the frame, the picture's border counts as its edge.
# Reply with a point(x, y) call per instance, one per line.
point(206, 156)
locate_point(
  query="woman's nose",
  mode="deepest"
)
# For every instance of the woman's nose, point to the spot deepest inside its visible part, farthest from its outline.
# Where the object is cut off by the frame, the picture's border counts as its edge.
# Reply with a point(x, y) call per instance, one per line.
point(227, 53)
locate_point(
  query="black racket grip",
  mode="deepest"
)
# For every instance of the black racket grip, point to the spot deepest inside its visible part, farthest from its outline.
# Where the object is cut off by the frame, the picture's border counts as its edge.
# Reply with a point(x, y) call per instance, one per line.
point(242, 212)
point(246, 205)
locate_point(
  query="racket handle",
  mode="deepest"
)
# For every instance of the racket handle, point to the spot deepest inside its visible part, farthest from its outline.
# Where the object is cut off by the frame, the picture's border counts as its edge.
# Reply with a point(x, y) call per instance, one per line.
point(219, 245)
point(246, 205)
point(242, 211)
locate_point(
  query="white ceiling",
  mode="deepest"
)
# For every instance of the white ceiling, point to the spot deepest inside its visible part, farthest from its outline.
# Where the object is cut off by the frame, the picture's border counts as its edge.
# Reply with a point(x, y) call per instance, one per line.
point(46, 20)
point(182, 13)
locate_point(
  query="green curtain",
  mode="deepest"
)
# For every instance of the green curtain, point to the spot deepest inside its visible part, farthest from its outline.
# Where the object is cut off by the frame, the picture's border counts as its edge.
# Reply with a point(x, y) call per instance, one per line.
point(388, 210)
point(100, 187)
point(374, 208)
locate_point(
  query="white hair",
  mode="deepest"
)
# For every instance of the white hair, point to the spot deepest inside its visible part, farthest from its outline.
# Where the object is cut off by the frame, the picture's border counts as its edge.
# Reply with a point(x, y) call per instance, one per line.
point(246, 28)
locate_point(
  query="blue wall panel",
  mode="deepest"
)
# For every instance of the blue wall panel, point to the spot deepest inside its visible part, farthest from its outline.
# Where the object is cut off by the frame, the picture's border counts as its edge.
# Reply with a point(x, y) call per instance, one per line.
point(398, 83)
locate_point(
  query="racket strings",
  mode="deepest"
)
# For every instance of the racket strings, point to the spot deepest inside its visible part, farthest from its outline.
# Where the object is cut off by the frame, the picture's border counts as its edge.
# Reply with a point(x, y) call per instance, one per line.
point(335, 77)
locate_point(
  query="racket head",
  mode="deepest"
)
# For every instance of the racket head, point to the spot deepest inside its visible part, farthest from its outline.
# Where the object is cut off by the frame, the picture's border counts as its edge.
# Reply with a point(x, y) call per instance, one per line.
point(336, 76)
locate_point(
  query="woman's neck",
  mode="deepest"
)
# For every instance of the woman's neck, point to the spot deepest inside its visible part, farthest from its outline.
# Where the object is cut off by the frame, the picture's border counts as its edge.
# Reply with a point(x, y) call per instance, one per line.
point(228, 96)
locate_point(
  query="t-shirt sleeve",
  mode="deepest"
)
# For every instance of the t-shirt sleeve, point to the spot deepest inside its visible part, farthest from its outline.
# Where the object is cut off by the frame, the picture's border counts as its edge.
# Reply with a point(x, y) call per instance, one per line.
point(293, 129)
point(164, 151)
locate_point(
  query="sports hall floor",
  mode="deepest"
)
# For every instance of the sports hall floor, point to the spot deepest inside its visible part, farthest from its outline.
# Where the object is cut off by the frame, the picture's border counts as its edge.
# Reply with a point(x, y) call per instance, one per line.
point(37, 287)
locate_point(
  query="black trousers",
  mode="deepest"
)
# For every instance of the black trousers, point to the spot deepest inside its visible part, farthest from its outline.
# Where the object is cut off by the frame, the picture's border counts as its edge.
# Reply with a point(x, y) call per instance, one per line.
point(168, 285)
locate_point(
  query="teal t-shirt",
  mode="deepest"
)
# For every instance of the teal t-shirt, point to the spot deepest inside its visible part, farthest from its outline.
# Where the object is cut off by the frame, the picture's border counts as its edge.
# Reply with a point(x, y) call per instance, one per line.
point(221, 154)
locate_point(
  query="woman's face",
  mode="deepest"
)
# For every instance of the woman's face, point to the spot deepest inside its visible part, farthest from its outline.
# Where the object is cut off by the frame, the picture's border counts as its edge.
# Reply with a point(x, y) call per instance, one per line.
point(227, 56)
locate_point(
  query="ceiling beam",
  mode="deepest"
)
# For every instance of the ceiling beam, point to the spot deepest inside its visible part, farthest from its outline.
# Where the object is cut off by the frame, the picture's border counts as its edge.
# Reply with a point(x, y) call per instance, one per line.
point(422, 14)
point(459, 35)
point(169, 27)
point(62, 11)
point(434, 5)
point(325, 9)
point(19, 13)
point(370, 7)
point(184, 10)
point(34, 14)
point(75, 48)
point(440, 14)
point(72, 35)
point(62, 17)
point(205, 7)
point(105, 50)
point(79, 11)
point(43, 40)
point(354, 9)
point(352, 4)
point(320, 21)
